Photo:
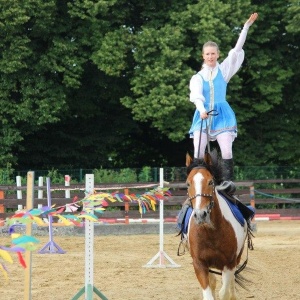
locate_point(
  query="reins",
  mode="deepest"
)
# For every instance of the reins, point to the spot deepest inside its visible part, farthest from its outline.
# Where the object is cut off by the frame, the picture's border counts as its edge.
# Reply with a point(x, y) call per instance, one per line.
point(211, 113)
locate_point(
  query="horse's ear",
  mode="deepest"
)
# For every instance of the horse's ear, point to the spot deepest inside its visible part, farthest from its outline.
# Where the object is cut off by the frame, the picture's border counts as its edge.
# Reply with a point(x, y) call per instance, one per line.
point(208, 160)
point(188, 160)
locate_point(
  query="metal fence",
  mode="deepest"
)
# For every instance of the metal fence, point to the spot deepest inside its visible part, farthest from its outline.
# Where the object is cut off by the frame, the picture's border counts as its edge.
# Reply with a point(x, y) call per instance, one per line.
point(148, 174)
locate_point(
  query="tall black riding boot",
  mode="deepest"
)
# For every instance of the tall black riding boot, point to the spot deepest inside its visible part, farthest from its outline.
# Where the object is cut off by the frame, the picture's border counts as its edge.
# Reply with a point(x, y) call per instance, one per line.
point(227, 186)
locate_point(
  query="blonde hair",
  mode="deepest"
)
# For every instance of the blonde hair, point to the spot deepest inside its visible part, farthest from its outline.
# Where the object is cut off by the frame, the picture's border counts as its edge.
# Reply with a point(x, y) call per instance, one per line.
point(210, 44)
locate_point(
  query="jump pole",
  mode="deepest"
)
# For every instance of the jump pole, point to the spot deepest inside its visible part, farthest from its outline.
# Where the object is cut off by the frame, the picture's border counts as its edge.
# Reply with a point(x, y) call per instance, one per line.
point(161, 254)
point(28, 254)
point(89, 287)
point(51, 246)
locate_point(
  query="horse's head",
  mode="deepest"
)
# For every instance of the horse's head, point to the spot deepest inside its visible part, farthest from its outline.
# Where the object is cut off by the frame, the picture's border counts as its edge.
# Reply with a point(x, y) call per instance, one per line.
point(201, 188)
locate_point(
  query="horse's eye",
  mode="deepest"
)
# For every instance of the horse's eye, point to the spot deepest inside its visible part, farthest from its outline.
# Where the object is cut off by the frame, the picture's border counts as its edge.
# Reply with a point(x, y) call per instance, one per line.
point(187, 184)
point(211, 182)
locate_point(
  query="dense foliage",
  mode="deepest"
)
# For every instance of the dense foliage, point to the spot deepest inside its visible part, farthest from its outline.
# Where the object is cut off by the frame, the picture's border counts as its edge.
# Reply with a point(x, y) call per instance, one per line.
point(89, 84)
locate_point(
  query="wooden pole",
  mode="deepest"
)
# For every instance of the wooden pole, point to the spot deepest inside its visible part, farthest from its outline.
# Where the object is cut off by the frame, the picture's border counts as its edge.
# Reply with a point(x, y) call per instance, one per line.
point(2, 208)
point(28, 254)
point(126, 207)
point(252, 197)
point(252, 200)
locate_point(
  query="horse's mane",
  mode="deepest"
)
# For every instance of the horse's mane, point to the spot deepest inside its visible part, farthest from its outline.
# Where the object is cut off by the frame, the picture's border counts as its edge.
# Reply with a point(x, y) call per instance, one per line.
point(213, 166)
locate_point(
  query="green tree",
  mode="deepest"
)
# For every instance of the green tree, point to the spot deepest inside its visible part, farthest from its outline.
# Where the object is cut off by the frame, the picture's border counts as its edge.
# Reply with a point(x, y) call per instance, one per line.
point(38, 62)
point(271, 94)
point(83, 81)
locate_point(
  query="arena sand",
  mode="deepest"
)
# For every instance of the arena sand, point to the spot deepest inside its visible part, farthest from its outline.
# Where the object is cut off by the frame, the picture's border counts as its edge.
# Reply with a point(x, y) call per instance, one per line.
point(119, 272)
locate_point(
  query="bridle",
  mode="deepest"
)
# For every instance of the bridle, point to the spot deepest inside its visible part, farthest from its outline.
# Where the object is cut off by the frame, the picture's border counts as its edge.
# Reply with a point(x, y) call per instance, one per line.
point(211, 203)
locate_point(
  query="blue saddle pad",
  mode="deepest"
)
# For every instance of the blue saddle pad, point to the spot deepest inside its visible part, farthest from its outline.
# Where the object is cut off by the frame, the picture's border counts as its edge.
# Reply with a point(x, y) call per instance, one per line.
point(186, 220)
point(233, 207)
point(235, 210)
point(184, 223)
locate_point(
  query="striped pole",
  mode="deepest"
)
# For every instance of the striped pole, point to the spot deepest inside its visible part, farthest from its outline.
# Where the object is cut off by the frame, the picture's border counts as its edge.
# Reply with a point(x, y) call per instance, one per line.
point(89, 287)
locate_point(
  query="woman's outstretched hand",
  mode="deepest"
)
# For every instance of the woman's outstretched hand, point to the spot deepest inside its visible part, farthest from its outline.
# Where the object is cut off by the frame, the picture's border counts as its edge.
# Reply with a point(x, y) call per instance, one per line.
point(252, 19)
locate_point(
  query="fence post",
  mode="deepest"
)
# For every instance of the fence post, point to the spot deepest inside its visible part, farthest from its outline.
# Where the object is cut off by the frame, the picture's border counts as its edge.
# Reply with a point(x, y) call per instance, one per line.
point(19, 192)
point(126, 202)
point(67, 183)
point(40, 191)
point(2, 208)
point(252, 197)
point(252, 203)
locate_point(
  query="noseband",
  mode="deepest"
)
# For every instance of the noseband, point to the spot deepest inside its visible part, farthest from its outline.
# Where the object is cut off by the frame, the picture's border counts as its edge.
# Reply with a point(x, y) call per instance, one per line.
point(211, 203)
point(199, 195)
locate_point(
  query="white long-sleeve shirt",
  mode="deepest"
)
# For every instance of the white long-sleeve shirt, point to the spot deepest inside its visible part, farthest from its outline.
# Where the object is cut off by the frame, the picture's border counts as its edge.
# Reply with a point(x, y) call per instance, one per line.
point(228, 68)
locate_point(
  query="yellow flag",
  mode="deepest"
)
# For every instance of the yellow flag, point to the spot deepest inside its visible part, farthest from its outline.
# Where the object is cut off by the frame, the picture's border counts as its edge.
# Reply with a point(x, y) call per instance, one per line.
point(15, 235)
point(38, 221)
point(88, 217)
point(153, 205)
point(6, 256)
point(64, 220)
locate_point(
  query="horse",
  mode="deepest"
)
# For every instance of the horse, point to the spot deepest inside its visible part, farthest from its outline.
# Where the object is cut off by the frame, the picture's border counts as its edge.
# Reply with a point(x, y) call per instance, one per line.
point(215, 237)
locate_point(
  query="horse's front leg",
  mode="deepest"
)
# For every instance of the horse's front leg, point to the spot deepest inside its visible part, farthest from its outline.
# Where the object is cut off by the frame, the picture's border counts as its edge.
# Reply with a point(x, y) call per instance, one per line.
point(203, 277)
point(227, 292)
point(213, 284)
point(232, 289)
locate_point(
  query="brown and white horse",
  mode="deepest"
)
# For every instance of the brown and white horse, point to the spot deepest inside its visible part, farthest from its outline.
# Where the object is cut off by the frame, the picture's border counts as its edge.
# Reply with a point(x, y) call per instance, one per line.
point(215, 238)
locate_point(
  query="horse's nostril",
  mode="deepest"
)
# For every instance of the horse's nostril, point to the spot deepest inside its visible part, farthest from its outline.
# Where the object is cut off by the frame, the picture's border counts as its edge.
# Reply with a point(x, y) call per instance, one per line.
point(201, 215)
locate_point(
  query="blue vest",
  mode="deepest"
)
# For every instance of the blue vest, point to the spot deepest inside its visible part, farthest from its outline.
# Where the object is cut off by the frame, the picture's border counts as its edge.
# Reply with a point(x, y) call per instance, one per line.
point(225, 120)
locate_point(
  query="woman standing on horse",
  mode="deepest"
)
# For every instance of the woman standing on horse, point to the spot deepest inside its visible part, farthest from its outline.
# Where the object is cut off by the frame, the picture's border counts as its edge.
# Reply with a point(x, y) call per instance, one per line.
point(208, 92)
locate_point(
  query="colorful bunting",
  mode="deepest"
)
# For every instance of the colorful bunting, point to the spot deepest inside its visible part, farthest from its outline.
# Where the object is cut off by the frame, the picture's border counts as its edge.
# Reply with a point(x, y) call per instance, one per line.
point(79, 209)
